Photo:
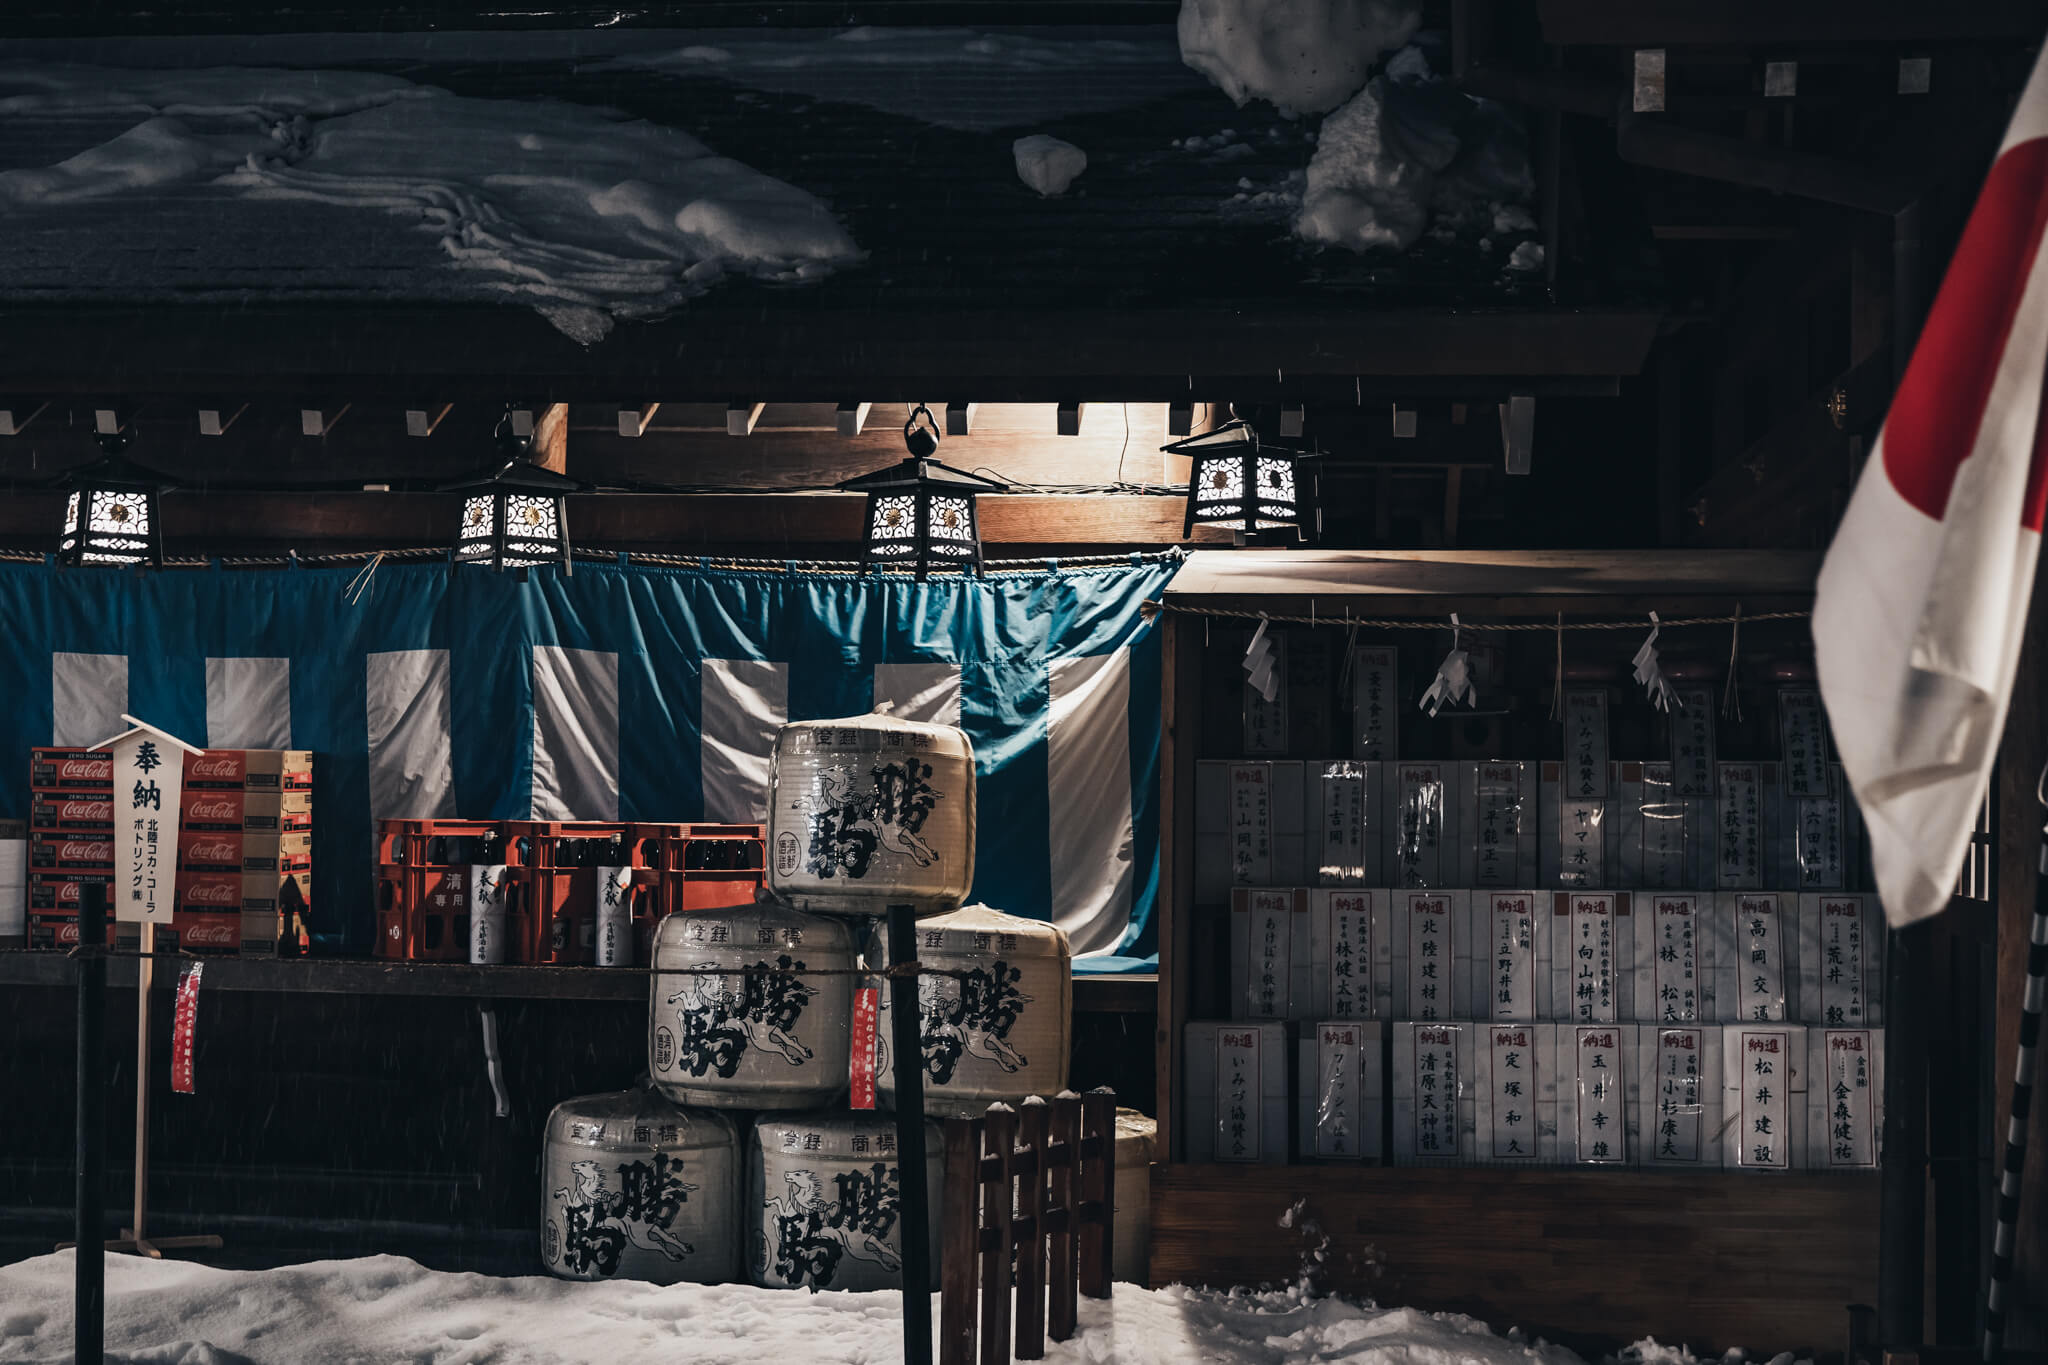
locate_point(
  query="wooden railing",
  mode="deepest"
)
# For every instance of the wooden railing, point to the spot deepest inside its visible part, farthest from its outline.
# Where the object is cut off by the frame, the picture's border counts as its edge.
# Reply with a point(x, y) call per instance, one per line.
point(1032, 1188)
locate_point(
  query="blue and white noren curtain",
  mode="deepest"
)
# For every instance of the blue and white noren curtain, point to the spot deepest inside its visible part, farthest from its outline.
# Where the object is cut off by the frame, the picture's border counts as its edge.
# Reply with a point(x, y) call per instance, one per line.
point(622, 693)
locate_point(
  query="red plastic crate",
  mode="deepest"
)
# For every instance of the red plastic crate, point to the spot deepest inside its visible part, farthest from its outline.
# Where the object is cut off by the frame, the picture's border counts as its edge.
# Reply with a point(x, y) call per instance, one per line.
point(706, 867)
point(422, 897)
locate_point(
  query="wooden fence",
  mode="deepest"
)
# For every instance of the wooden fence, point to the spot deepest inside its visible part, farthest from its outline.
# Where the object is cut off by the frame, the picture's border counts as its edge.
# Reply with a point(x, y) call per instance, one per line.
point(1030, 1190)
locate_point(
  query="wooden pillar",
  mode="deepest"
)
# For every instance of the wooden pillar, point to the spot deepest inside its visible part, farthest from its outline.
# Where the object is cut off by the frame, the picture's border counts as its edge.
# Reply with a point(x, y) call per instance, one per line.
point(1180, 724)
point(2019, 821)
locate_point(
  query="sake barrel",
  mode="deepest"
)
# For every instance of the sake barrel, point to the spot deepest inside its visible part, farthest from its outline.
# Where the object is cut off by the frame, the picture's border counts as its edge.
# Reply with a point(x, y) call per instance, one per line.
point(733, 1022)
point(825, 1201)
point(1136, 1136)
point(869, 812)
point(997, 1006)
point(633, 1187)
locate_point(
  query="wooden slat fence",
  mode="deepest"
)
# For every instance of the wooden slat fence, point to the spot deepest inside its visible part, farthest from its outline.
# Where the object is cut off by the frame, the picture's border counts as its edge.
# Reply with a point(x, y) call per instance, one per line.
point(1028, 1216)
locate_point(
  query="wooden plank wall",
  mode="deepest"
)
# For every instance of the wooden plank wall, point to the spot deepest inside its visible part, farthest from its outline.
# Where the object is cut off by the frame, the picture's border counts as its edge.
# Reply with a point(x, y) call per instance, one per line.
point(1592, 1259)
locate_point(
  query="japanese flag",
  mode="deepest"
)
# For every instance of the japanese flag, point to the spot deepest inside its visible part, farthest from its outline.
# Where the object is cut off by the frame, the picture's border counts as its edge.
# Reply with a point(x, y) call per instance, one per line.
point(1924, 593)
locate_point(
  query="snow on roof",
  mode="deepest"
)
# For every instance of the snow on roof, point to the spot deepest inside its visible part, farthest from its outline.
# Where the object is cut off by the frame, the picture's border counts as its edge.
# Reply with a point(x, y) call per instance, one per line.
point(585, 216)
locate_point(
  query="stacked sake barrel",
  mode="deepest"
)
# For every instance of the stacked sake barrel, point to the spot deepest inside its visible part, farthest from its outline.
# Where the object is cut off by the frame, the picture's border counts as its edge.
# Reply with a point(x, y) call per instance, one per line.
point(750, 1034)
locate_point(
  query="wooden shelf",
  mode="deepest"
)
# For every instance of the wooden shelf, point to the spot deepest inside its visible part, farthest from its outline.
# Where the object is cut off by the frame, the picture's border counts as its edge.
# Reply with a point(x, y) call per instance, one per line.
point(1712, 1259)
point(361, 976)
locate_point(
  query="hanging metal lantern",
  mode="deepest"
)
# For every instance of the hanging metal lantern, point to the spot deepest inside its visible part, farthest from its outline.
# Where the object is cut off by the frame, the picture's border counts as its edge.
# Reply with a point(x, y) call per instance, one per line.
point(920, 514)
point(1238, 482)
point(111, 516)
point(518, 517)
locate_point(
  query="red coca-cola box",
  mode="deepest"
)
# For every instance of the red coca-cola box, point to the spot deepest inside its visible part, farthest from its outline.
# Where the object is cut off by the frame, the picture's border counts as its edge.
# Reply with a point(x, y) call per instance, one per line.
point(57, 770)
point(256, 770)
point(56, 929)
point(244, 933)
point(241, 851)
point(60, 891)
point(207, 932)
point(63, 853)
point(255, 812)
point(67, 813)
point(220, 892)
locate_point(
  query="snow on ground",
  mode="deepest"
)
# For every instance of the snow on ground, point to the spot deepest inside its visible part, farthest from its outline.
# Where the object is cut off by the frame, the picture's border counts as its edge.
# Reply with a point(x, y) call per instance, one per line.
point(1047, 164)
point(388, 1308)
point(583, 216)
point(966, 79)
point(1304, 56)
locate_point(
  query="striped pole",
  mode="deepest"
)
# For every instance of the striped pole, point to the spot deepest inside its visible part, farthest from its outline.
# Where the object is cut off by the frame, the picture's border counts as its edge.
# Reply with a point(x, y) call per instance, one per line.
point(2016, 1128)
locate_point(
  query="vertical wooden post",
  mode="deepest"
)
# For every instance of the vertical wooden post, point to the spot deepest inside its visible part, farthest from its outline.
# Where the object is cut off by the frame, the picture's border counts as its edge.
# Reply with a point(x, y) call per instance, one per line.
point(138, 1230)
point(2017, 810)
point(1180, 723)
point(1066, 1135)
point(89, 1285)
point(999, 1140)
point(906, 1018)
point(1098, 1184)
point(959, 1241)
point(1032, 1129)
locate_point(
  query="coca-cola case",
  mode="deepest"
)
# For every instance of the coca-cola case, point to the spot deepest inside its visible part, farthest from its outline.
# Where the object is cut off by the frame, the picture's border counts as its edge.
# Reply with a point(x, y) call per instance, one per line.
point(243, 851)
point(255, 770)
point(71, 813)
point(64, 853)
point(63, 892)
point(244, 811)
point(58, 770)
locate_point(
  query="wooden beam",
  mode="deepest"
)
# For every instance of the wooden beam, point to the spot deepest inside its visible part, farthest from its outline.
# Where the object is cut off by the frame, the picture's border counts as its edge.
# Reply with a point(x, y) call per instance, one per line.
point(421, 422)
point(1782, 170)
point(1751, 23)
point(741, 418)
point(960, 418)
point(551, 438)
point(852, 417)
point(633, 421)
point(1180, 419)
point(220, 522)
point(1069, 420)
point(1454, 482)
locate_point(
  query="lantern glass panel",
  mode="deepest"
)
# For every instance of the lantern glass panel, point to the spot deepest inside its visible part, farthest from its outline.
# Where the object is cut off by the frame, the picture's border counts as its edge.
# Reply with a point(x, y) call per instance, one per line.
point(533, 530)
point(479, 527)
point(892, 526)
point(1219, 488)
point(952, 528)
point(71, 517)
point(1276, 490)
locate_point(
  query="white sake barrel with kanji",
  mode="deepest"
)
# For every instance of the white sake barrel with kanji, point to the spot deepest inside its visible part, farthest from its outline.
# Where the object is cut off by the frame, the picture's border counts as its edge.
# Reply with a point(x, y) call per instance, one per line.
point(751, 1007)
point(869, 812)
point(824, 1201)
point(633, 1187)
point(998, 1010)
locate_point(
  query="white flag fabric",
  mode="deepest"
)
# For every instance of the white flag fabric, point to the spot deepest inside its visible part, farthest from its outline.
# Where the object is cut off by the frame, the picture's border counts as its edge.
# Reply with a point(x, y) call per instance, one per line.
point(1923, 597)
